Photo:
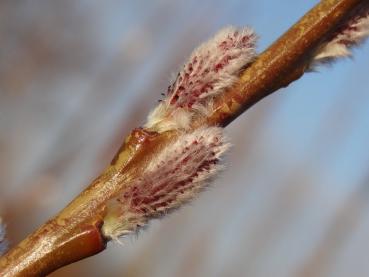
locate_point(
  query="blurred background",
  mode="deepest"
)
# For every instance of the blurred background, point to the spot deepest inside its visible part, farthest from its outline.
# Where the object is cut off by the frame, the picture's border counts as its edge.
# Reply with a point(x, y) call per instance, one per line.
point(76, 76)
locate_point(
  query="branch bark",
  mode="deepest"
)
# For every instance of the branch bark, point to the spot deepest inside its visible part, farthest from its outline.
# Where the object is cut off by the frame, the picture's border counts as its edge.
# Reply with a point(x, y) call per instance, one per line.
point(75, 233)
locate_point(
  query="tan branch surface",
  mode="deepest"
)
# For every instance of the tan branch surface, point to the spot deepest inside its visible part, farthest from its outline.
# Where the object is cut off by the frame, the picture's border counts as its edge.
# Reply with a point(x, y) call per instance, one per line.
point(75, 233)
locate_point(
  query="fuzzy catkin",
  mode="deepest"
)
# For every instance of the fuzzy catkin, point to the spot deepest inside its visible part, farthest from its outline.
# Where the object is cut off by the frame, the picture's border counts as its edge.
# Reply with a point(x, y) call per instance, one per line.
point(174, 177)
point(211, 68)
point(350, 34)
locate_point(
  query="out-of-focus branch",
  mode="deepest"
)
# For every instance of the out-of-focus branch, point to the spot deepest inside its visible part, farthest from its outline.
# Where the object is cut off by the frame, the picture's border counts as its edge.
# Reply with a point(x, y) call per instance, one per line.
point(76, 233)
point(3, 241)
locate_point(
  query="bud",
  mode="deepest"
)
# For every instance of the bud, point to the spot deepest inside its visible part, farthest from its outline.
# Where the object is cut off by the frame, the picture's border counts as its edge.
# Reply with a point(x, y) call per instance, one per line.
point(350, 34)
point(212, 67)
point(176, 175)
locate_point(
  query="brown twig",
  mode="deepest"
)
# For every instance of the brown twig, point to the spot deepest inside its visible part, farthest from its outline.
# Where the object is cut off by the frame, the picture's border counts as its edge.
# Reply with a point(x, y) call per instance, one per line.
point(75, 232)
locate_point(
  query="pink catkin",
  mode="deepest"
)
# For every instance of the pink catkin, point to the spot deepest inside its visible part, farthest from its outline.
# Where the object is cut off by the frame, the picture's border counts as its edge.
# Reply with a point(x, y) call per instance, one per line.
point(352, 33)
point(176, 176)
point(212, 67)
point(202, 75)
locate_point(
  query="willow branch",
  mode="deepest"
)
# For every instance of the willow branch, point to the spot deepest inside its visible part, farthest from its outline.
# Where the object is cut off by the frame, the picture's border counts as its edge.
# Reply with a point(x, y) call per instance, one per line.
point(76, 232)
